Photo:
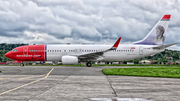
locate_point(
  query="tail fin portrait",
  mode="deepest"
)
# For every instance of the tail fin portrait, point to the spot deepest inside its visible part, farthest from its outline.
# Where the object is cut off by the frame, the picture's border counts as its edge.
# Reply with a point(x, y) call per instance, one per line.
point(157, 34)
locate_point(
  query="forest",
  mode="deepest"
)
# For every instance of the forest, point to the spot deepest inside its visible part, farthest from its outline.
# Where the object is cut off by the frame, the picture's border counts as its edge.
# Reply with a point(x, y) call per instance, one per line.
point(159, 57)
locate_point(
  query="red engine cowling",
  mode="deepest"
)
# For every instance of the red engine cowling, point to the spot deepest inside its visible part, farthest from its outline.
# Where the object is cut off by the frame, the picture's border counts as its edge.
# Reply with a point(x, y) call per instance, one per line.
point(69, 60)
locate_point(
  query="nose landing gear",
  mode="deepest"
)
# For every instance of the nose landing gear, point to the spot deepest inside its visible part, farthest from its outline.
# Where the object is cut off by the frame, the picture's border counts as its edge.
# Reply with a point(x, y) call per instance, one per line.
point(22, 64)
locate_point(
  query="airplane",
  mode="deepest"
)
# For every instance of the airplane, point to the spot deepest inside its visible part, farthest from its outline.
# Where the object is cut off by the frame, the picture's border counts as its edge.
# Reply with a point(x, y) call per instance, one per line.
point(73, 54)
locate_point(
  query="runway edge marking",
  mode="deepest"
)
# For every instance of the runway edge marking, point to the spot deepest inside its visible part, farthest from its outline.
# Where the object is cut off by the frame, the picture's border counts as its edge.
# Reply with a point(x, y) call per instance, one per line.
point(28, 83)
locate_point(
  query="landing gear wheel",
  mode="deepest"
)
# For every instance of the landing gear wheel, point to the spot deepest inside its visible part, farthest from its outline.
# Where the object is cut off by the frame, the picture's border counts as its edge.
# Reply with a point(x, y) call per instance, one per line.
point(88, 64)
point(22, 64)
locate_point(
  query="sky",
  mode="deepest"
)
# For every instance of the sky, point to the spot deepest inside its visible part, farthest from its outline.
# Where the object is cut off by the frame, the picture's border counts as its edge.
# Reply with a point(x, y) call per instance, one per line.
point(85, 21)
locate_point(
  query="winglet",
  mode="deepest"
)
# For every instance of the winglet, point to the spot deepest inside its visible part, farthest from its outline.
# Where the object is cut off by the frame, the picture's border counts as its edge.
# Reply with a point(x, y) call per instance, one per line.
point(116, 44)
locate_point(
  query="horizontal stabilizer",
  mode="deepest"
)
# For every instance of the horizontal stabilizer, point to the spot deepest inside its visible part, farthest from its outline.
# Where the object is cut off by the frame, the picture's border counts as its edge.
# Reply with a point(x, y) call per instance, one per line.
point(163, 46)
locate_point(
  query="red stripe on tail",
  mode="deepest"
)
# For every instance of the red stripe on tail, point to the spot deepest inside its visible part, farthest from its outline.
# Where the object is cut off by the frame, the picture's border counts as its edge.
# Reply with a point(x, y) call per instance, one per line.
point(166, 17)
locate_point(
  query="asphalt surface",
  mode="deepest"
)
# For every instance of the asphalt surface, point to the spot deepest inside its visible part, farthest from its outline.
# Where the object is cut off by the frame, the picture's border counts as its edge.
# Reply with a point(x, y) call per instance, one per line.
point(58, 83)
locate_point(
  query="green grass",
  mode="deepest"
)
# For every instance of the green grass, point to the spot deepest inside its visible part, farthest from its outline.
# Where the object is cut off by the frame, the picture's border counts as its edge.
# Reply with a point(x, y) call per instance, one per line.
point(0, 71)
point(134, 65)
point(171, 72)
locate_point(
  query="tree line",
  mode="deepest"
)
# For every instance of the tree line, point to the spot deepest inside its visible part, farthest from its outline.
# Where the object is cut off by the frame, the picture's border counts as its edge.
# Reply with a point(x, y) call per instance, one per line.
point(163, 57)
point(5, 46)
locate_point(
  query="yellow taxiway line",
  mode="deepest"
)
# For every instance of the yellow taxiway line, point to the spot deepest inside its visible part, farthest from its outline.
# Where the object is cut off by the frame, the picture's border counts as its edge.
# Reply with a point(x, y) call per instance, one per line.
point(23, 77)
point(28, 83)
point(49, 72)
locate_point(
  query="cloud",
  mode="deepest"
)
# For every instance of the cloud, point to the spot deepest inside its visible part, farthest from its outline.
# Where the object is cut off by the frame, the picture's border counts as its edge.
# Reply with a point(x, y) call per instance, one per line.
point(80, 21)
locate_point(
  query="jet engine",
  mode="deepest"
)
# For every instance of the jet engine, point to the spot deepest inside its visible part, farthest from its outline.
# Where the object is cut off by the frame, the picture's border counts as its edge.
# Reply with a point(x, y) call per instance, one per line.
point(69, 60)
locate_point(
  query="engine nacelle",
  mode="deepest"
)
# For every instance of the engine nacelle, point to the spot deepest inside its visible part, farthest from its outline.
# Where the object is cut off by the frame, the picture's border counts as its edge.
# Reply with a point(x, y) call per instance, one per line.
point(69, 60)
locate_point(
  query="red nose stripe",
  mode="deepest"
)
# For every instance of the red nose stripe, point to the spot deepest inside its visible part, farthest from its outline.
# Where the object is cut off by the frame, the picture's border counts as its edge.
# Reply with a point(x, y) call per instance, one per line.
point(28, 53)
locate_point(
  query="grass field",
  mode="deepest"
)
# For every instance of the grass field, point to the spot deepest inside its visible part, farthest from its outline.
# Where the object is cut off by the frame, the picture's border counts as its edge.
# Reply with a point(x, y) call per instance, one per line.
point(171, 72)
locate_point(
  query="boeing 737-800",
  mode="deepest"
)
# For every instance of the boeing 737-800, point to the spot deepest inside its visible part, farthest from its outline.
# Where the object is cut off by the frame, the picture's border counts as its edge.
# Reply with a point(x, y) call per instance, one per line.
point(73, 54)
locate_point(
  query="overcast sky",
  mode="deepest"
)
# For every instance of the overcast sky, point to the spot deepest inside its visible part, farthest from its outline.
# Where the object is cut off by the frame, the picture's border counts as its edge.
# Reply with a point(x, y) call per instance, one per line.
point(85, 21)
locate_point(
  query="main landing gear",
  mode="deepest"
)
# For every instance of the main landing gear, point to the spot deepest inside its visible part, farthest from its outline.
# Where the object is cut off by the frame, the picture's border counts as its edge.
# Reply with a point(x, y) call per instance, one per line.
point(88, 64)
point(22, 64)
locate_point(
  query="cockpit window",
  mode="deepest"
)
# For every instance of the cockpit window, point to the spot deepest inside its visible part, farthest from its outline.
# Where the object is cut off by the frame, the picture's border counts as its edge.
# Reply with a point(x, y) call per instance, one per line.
point(14, 50)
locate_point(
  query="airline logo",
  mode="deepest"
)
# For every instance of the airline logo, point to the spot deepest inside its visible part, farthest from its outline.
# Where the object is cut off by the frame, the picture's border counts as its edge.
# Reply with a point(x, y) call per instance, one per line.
point(132, 47)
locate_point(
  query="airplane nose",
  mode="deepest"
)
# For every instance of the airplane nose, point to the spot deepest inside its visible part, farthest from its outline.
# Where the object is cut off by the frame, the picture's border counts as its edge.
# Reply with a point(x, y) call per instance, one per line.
point(8, 54)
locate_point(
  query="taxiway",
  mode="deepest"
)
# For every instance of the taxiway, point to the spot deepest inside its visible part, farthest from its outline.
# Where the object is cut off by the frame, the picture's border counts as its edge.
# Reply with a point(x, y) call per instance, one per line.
point(59, 83)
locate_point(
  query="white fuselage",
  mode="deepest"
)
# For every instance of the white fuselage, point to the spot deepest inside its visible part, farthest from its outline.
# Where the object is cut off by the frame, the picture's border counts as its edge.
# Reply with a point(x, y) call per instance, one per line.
point(122, 53)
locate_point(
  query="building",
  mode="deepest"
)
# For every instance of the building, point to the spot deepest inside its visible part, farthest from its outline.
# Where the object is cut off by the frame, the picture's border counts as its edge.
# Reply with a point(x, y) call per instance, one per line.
point(145, 62)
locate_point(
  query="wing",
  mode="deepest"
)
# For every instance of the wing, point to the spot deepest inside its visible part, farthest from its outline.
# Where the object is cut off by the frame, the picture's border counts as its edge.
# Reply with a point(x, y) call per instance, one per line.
point(95, 55)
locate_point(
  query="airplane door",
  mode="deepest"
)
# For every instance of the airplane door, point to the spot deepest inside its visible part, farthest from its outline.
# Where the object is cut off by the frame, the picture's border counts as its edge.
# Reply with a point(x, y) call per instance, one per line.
point(25, 50)
point(141, 50)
